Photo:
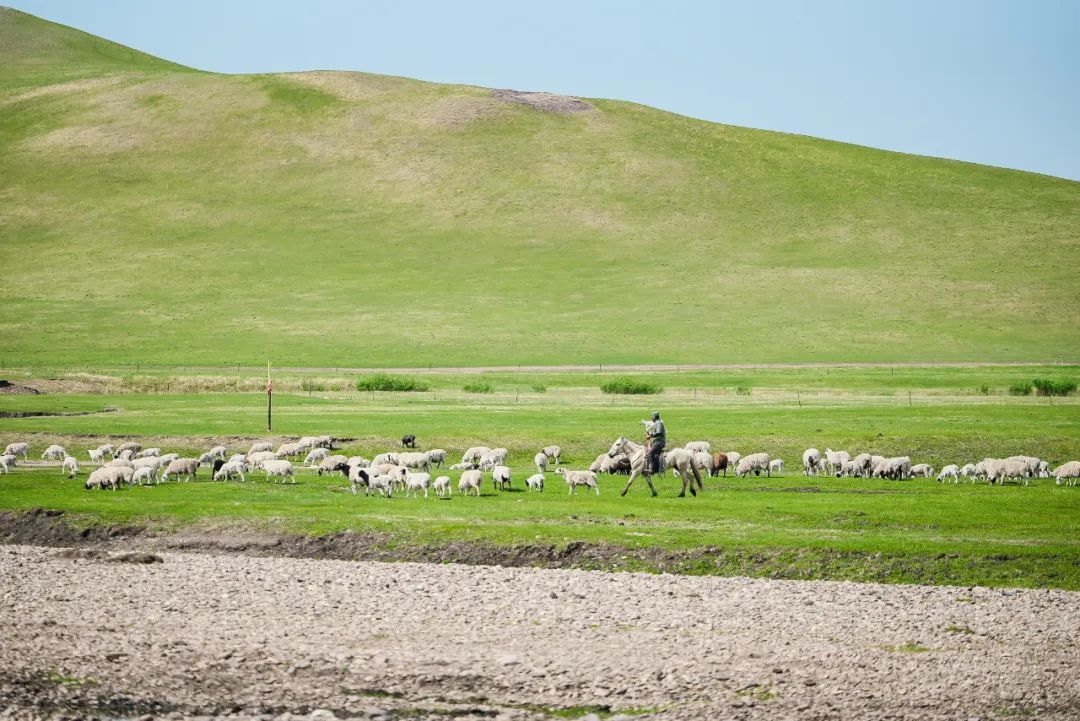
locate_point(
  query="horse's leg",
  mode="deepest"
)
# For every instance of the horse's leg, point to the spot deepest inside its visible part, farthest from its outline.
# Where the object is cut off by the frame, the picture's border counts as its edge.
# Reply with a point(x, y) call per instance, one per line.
point(648, 479)
point(697, 475)
point(635, 471)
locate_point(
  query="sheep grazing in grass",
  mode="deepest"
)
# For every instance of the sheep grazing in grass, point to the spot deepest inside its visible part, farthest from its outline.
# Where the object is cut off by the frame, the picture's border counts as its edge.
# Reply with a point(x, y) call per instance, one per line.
point(288, 450)
point(237, 458)
point(358, 462)
point(107, 449)
point(331, 464)
point(384, 458)
point(698, 446)
point(494, 457)
point(437, 456)
point(96, 455)
point(897, 468)
point(383, 484)
point(144, 476)
point(105, 477)
point(148, 452)
point(54, 453)
point(230, 470)
point(169, 458)
point(811, 462)
point(416, 482)
point(776, 466)
point(18, 449)
point(578, 478)
point(552, 452)
point(187, 467)
point(755, 463)
point(415, 461)
point(500, 476)
point(619, 463)
point(470, 481)
point(720, 463)
point(968, 471)
point(280, 468)
point(1067, 472)
point(598, 464)
point(254, 459)
point(922, 470)
point(125, 455)
point(70, 467)
point(358, 477)
point(260, 446)
point(535, 482)
point(441, 486)
point(207, 458)
point(120, 463)
point(218, 452)
point(151, 462)
point(834, 459)
point(474, 454)
point(7, 462)
point(540, 460)
point(733, 458)
point(704, 460)
point(129, 446)
point(861, 465)
point(949, 471)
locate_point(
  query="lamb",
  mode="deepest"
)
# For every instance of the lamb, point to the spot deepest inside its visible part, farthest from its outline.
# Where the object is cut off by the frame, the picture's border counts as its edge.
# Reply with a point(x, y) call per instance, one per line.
point(6, 462)
point(861, 464)
point(382, 484)
point(415, 461)
point(500, 477)
point(776, 465)
point(1044, 469)
point(540, 460)
point(281, 468)
point(470, 480)
point(922, 470)
point(96, 455)
point(70, 467)
point(733, 458)
point(698, 446)
point(754, 463)
point(143, 476)
point(833, 459)
point(1067, 472)
point(552, 452)
point(949, 471)
point(288, 450)
point(107, 448)
point(535, 482)
point(55, 453)
point(441, 485)
point(207, 458)
point(968, 471)
point(334, 463)
point(720, 462)
point(474, 454)
point(219, 452)
point(811, 462)
point(230, 470)
point(704, 460)
point(188, 467)
point(150, 462)
point(578, 478)
point(148, 452)
point(18, 449)
point(256, 458)
point(494, 457)
point(260, 446)
point(437, 456)
point(10, 460)
point(415, 482)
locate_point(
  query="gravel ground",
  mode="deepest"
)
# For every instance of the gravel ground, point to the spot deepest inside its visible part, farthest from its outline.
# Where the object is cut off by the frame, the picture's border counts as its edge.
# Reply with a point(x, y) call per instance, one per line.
point(224, 635)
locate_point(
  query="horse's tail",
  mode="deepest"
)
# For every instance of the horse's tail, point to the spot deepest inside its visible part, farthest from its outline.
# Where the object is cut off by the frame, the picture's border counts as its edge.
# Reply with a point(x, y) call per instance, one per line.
point(697, 472)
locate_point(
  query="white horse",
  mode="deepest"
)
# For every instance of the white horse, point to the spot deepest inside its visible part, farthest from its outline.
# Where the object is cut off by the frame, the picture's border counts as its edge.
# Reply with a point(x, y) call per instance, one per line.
point(679, 460)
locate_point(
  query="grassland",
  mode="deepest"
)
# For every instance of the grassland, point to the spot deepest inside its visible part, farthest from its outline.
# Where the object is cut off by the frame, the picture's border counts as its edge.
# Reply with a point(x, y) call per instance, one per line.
point(790, 527)
point(158, 214)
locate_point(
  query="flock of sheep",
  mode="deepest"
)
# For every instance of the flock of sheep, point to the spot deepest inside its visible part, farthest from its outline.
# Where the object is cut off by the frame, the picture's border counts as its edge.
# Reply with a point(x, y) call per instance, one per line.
point(411, 471)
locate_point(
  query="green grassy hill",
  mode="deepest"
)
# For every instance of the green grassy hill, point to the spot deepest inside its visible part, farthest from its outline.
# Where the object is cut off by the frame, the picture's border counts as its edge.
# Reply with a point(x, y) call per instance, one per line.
point(152, 213)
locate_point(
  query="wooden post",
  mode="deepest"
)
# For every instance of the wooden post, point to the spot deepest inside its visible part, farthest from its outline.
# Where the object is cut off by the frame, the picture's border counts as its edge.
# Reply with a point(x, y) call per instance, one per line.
point(269, 400)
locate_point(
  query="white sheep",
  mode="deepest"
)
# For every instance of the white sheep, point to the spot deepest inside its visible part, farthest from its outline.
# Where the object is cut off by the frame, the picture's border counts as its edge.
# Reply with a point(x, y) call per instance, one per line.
point(553, 452)
point(494, 457)
point(474, 454)
point(500, 477)
point(704, 460)
point(415, 461)
point(733, 458)
point(949, 471)
point(330, 464)
point(358, 462)
point(1067, 472)
point(169, 458)
point(540, 460)
point(415, 482)
point(7, 461)
point(754, 463)
point(578, 478)
point(260, 446)
point(280, 468)
point(153, 463)
point(70, 467)
point(256, 458)
point(96, 455)
point(107, 449)
point(470, 480)
point(206, 458)
point(535, 482)
point(188, 467)
point(229, 470)
point(18, 449)
point(442, 486)
point(383, 484)
point(143, 476)
point(105, 477)
point(129, 446)
point(385, 458)
point(861, 465)
point(315, 455)
point(922, 470)
point(598, 463)
point(811, 462)
point(834, 459)
point(219, 452)
point(776, 465)
point(54, 453)
point(237, 458)
point(288, 450)
point(968, 471)
point(698, 446)
point(120, 463)
point(148, 452)
point(437, 457)
point(462, 467)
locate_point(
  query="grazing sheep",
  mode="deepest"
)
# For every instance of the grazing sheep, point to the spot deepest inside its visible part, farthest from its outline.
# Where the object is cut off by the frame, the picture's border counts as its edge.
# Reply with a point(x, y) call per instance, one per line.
point(330, 464)
point(237, 458)
point(968, 471)
point(470, 480)
point(598, 463)
point(6, 463)
point(70, 467)
point(442, 486)
point(288, 450)
point(54, 453)
point(358, 462)
point(698, 446)
point(552, 452)
point(230, 470)
point(462, 467)
point(619, 463)
point(148, 452)
point(359, 476)
point(540, 460)
point(897, 468)
point(107, 449)
point(18, 449)
point(188, 467)
point(733, 458)
point(281, 468)
point(96, 455)
point(754, 463)
point(474, 454)
point(127, 454)
point(776, 466)
point(535, 482)
point(494, 457)
point(383, 484)
point(409, 441)
point(949, 471)
point(150, 462)
point(811, 462)
point(500, 477)
point(415, 482)
point(206, 459)
point(720, 463)
point(218, 452)
point(415, 461)
point(169, 458)
point(260, 446)
point(922, 470)
point(704, 460)
point(1067, 472)
point(861, 465)
point(834, 459)
point(120, 463)
point(256, 458)
point(384, 458)
point(129, 446)
point(437, 456)
point(105, 477)
point(144, 476)
point(578, 478)
point(306, 442)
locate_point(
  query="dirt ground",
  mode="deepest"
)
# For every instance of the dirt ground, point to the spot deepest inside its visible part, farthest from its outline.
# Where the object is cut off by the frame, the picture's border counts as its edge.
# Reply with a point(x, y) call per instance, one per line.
point(95, 632)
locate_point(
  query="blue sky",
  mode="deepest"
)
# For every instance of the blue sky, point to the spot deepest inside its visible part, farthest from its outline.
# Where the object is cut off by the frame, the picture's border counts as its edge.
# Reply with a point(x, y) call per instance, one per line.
point(987, 81)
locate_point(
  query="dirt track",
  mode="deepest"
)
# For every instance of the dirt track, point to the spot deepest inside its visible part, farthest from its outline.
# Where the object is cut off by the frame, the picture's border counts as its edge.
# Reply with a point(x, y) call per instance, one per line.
point(259, 637)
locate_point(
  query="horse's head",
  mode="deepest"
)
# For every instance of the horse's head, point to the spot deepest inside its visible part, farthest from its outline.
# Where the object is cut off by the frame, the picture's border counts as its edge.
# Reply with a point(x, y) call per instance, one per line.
point(617, 447)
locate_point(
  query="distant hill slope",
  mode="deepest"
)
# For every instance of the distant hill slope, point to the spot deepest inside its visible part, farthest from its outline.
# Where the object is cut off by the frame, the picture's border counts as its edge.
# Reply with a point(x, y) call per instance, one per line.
point(151, 213)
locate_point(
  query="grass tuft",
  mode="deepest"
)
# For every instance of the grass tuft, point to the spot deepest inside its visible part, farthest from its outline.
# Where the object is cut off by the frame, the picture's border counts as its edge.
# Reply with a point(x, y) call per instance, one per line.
point(386, 382)
point(630, 387)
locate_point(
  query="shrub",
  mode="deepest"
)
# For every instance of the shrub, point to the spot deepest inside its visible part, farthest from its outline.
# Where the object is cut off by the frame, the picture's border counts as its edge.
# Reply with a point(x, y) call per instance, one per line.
point(630, 387)
point(1046, 387)
point(386, 382)
point(539, 387)
point(983, 390)
point(1020, 389)
point(742, 391)
point(311, 385)
point(478, 387)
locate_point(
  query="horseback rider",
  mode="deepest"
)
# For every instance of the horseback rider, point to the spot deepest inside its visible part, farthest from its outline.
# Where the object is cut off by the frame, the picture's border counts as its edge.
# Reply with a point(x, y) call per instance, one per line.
point(657, 437)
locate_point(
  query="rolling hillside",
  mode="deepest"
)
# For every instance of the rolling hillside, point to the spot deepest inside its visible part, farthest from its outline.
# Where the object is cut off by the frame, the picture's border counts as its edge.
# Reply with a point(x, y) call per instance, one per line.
point(157, 214)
